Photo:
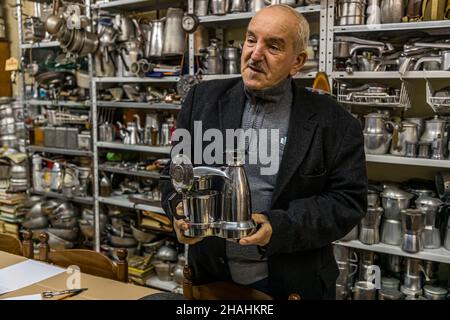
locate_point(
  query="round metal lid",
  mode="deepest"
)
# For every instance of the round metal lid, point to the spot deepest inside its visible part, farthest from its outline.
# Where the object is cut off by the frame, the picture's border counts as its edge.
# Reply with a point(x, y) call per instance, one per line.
point(439, 291)
point(395, 193)
point(390, 294)
point(429, 201)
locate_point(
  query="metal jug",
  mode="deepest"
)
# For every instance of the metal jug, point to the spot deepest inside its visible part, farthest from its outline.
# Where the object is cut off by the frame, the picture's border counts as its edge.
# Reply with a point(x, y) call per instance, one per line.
point(174, 35)
point(403, 132)
point(392, 11)
point(130, 53)
point(125, 27)
point(157, 38)
point(433, 128)
point(377, 139)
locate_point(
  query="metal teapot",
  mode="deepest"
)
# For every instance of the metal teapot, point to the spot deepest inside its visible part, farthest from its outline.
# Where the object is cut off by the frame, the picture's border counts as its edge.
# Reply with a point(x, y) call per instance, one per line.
point(213, 58)
point(377, 138)
point(404, 132)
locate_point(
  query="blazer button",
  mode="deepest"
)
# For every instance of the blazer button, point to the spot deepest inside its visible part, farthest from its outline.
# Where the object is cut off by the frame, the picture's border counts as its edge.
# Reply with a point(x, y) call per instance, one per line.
point(222, 260)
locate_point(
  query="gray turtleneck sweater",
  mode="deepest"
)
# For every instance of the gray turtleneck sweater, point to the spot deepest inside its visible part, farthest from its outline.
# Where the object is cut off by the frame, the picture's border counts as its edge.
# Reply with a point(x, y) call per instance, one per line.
point(265, 109)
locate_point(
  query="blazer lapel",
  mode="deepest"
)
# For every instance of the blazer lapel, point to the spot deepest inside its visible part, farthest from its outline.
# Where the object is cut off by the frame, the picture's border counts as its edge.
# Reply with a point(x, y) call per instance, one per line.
point(231, 107)
point(301, 131)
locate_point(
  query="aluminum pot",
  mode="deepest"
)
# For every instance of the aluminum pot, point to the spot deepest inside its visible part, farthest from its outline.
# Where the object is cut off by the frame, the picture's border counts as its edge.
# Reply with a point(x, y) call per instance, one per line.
point(239, 6)
point(413, 223)
point(390, 294)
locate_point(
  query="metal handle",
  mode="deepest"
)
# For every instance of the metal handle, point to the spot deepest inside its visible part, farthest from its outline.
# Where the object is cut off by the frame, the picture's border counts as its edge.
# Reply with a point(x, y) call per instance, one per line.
point(426, 59)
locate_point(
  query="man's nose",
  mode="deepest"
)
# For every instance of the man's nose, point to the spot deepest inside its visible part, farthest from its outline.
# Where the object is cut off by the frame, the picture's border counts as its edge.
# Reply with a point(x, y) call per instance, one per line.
point(258, 52)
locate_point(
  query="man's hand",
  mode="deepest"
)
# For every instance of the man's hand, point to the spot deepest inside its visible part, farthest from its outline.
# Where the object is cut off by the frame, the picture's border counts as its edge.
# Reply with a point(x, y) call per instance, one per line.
point(263, 235)
point(180, 226)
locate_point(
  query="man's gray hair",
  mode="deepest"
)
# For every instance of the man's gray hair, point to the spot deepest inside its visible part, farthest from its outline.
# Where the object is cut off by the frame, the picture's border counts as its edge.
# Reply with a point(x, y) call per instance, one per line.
point(302, 40)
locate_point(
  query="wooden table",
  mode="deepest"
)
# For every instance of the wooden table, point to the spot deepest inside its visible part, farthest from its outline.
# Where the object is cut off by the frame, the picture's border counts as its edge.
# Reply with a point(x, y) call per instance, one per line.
point(98, 288)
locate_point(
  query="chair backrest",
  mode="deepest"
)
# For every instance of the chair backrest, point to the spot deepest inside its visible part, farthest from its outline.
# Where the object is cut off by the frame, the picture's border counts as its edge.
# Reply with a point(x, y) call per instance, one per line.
point(10, 244)
point(222, 290)
point(90, 262)
point(218, 290)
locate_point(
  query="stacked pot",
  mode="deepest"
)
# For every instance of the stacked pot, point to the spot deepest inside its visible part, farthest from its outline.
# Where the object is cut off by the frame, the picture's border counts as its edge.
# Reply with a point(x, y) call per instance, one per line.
point(57, 218)
point(12, 127)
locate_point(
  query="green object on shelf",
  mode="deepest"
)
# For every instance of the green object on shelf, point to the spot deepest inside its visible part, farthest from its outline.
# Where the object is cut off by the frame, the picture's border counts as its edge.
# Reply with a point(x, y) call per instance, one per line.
point(121, 156)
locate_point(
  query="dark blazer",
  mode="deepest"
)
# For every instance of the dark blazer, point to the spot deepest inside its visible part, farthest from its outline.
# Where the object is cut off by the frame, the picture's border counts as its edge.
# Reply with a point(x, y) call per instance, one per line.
point(320, 192)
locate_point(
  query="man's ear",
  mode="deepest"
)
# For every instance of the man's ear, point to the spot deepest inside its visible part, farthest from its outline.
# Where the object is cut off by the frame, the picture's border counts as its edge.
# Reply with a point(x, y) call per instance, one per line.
point(299, 62)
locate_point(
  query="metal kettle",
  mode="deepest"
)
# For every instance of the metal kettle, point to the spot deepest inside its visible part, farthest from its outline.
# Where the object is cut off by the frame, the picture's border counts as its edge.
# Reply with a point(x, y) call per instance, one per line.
point(212, 59)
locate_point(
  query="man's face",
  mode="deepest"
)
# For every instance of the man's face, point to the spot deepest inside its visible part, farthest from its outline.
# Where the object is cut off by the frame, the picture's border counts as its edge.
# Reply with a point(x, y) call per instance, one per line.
point(268, 54)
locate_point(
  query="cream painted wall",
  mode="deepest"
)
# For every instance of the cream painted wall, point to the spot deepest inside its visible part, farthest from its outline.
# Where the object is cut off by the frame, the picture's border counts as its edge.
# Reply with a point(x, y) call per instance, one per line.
point(11, 26)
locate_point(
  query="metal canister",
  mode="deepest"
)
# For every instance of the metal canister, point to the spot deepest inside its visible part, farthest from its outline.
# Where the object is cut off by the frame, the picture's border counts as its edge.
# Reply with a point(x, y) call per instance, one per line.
point(60, 137)
point(49, 137)
point(389, 294)
point(72, 138)
point(364, 290)
point(165, 134)
point(434, 293)
point(84, 140)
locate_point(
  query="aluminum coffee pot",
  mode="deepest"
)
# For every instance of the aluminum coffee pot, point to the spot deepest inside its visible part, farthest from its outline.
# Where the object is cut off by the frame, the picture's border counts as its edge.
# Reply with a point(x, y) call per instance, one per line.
point(105, 132)
point(213, 58)
point(369, 227)
point(231, 59)
point(413, 223)
point(227, 216)
point(433, 128)
point(431, 236)
point(403, 132)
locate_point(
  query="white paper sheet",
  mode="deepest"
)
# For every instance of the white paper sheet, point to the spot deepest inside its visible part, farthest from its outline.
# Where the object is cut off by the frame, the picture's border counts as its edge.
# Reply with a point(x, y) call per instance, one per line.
point(26, 273)
point(27, 297)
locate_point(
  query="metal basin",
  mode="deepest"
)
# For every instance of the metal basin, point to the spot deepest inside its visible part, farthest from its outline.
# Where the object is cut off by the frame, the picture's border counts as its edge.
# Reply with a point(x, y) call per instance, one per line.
point(142, 236)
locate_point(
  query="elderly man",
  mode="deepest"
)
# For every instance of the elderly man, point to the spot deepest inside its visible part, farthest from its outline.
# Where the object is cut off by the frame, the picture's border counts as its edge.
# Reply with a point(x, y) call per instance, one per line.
point(318, 192)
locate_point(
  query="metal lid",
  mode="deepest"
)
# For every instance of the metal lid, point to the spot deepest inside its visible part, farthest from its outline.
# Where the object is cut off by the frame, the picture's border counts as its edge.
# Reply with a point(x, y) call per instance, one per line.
point(408, 124)
point(436, 119)
point(429, 201)
point(394, 193)
point(389, 294)
point(432, 290)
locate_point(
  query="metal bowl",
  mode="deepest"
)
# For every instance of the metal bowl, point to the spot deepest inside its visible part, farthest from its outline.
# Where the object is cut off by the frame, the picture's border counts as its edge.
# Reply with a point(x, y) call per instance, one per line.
point(153, 246)
point(65, 234)
point(117, 241)
point(65, 223)
point(142, 236)
point(50, 205)
point(35, 223)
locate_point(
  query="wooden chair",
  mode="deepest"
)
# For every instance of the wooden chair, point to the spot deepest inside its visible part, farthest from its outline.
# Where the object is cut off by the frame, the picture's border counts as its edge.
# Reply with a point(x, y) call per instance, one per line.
point(10, 244)
point(222, 290)
point(90, 262)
